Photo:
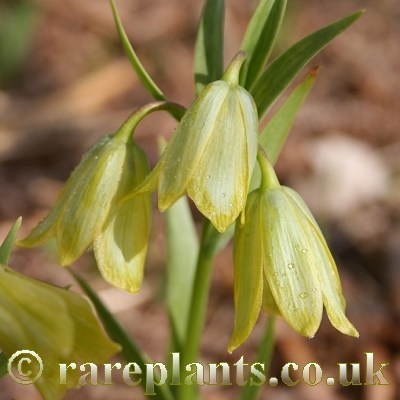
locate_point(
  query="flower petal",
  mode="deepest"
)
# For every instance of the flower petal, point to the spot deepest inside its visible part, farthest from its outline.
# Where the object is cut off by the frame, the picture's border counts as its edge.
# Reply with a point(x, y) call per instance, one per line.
point(220, 184)
point(121, 247)
point(248, 278)
point(333, 298)
point(292, 279)
point(182, 155)
point(88, 194)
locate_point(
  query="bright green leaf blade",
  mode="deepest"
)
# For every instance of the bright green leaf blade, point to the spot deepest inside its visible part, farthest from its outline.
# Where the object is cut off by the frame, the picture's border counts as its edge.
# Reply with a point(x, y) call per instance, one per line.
point(183, 249)
point(142, 74)
point(264, 355)
point(8, 244)
point(209, 50)
point(281, 72)
point(275, 133)
point(3, 364)
point(260, 38)
point(130, 351)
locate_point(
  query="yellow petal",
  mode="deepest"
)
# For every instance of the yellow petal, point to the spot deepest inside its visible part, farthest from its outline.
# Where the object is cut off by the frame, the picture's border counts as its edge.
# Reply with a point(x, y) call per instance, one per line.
point(120, 248)
point(182, 155)
point(88, 194)
point(329, 278)
point(220, 184)
point(248, 278)
point(289, 268)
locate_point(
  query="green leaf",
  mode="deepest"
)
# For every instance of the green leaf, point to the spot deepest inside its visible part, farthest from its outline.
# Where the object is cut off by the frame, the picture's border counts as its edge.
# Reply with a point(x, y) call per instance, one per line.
point(8, 244)
point(275, 133)
point(264, 355)
point(260, 38)
point(130, 350)
point(183, 248)
point(281, 72)
point(3, 364)
point(209, 50)
point(142, 74)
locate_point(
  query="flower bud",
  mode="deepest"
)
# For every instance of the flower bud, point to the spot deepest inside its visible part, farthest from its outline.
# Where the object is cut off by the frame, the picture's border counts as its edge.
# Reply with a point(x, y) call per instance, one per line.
point(57, 324)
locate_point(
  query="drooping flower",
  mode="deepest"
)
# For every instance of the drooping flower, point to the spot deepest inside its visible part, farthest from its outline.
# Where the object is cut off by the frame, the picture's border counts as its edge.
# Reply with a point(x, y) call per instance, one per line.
point(89, 211)
point(212, 153)
point(55, 323)
point(282, 263)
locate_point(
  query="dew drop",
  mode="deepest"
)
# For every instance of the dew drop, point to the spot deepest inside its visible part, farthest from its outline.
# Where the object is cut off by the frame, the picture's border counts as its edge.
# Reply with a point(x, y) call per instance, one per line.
point(223, 194)
point(276, 274)
point(230, 205)
point(314, 289)
point(304, 251)
point(311, 337)
point(178, 159)
point(303, 295)
point(291, 266)
point(208, 176)
point(292, 307)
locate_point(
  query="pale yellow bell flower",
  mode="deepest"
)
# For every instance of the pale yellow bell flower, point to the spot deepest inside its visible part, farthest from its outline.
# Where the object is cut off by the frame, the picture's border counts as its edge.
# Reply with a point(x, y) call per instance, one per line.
point(282, 261)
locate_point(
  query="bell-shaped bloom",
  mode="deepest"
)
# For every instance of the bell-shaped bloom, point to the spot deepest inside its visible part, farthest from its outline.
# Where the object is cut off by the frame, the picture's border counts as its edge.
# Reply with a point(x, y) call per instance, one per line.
point(282, 263)
point(89, 209)
point(212, 153)
point(55, 323)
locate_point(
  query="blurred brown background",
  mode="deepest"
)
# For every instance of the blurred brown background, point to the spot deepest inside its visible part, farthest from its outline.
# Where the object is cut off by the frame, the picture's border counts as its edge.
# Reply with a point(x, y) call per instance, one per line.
point(64, 82)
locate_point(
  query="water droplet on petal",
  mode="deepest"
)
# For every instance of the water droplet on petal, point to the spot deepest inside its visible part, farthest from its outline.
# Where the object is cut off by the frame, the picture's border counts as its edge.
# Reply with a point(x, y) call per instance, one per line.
point(304, 251)
point(314, 289)
point(291, 266)
point(303, 295)
point(208, 176)
point(230, 205)
point(223, 194)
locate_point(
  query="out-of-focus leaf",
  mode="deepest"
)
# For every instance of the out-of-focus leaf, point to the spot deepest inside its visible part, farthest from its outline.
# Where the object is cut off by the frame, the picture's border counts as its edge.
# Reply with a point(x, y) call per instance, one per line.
point(142, 74)
point(260, 38)
point(130, 350)
point(281, 72)
point(8, 244)
point(17, 25)
point(275, 133)
point(183, 250)
point(209, 50)
point(3, 364)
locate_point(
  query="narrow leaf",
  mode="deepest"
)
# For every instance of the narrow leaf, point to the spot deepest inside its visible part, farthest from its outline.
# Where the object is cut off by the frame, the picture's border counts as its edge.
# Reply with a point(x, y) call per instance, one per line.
point(281, 72)
point(260, 38)
point(209, 50)
point(275, 133)
point(130, 350)
point(3, 364)
point(8, 244)
point(183, 249)
point(142, 74)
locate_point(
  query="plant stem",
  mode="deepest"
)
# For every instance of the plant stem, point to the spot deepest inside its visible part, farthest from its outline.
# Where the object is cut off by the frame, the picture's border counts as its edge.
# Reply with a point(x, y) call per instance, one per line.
point(264, 355)
point(198, 306)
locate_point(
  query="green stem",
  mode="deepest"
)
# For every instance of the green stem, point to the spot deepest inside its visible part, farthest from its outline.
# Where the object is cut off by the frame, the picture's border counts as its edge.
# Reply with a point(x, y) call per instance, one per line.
point(269, 179)
point(264, 356)
point(128, 127)
point(198, 306)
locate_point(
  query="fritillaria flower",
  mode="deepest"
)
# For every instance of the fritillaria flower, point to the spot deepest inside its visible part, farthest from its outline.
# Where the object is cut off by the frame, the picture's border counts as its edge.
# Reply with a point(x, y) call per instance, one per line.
point(89, 211)
point(212, 153)
point(282, 263)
